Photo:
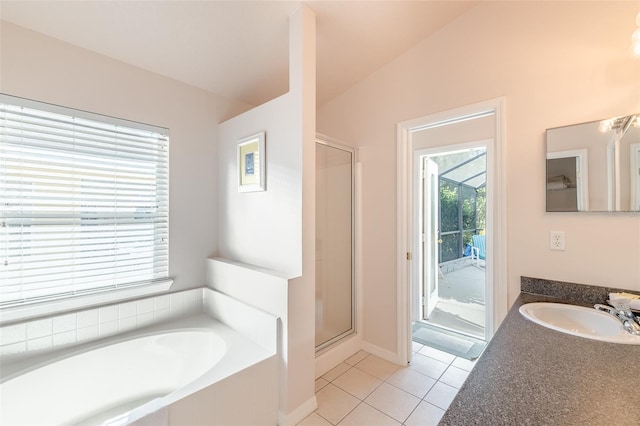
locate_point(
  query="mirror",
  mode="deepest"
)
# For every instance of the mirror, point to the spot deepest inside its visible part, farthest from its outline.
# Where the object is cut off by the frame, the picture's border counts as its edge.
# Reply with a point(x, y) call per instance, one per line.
point(595, 166)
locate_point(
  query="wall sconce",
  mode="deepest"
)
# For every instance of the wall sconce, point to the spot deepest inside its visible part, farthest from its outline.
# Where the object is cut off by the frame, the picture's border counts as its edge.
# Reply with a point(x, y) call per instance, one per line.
point(635, 38)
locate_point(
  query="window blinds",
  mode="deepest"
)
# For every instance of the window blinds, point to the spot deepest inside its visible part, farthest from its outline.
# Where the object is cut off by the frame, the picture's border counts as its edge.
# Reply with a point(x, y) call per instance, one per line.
point(84, 202)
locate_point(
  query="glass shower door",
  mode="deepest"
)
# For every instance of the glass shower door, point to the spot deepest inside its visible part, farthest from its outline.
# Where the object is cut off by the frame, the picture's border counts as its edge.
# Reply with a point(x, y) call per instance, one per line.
point(334, 243)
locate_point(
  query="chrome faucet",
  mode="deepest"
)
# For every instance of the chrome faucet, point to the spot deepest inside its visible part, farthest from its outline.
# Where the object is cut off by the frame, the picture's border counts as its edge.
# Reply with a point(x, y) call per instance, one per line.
point(629, 321)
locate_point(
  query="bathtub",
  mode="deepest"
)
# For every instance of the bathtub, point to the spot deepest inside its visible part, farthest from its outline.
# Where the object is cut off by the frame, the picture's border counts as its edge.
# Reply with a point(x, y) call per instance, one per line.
point(191, 370)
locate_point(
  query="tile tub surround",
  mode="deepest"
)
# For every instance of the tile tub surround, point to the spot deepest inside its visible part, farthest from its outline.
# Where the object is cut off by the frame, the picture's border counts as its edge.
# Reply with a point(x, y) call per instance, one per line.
point(236, 368)
point(529, 374)
point(55, 332)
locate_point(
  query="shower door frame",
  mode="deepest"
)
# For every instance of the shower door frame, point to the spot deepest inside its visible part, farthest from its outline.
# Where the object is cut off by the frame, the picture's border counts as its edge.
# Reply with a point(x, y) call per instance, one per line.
point(325, 140)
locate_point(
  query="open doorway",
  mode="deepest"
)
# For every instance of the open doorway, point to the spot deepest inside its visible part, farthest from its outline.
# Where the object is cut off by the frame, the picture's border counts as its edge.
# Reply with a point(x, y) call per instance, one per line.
point(454, 228)
point(452, 257)
point(469, 127)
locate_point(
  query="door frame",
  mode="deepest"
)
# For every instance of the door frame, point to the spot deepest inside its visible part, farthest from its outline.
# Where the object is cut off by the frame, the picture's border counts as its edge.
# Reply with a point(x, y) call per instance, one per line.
point(332, 143)
point(582, 174)
point(416, 267)
point(496, 269)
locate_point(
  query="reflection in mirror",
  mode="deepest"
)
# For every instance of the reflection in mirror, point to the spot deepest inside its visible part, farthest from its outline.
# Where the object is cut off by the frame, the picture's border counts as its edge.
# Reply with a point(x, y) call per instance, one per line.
point(594, 166)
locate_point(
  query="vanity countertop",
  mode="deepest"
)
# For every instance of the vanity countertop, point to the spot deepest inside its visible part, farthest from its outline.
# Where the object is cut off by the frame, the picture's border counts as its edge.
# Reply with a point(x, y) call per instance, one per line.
point(532, 375)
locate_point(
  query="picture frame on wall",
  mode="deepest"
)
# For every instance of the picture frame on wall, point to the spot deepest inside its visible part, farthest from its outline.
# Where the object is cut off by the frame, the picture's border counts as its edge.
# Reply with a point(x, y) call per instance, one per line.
point(251, 163)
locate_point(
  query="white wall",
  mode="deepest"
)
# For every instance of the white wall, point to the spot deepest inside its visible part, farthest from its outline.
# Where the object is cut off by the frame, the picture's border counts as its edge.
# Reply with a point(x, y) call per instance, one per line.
point(557, 63)
point(263, 228)
point(44, 69)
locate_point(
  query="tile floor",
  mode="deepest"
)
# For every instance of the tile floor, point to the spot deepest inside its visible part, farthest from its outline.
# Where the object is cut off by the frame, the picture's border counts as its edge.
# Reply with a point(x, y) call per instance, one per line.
point(369, 391)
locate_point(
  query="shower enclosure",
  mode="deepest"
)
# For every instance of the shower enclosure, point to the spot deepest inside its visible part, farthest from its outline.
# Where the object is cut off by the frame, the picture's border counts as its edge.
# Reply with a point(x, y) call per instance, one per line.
point(335, 283)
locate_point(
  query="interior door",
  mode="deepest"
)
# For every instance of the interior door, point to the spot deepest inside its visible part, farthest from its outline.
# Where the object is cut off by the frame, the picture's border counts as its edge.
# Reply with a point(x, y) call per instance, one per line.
point(431, 237)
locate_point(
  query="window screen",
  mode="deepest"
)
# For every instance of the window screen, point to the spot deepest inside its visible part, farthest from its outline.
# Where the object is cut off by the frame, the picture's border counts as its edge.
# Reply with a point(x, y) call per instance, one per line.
point(84, 202)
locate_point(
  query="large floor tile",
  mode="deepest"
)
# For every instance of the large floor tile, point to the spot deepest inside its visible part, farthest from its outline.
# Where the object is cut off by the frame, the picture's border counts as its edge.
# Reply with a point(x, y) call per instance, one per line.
point(463, 363)
point(336, 371)
point(454, 376)
point(357, 357)
point(441, 395)
point(425, 414)
point(314, 419)
point(428, 366)
point(357, 383)
point(377, 367)
point(365, 415)
point(415, 383)
point(334, 403)
point(393, 401)
point(320, 383)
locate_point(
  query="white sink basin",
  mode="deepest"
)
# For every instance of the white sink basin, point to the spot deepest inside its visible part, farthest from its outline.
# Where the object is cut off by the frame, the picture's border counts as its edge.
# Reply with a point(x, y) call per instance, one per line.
point(579, 321)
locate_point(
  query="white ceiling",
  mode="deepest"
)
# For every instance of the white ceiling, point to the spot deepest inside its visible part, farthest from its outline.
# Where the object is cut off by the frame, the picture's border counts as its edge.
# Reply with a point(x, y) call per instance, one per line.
point(239, 49)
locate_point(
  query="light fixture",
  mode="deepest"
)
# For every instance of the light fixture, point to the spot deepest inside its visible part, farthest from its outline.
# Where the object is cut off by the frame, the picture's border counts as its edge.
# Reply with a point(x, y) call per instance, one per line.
point(635, 38)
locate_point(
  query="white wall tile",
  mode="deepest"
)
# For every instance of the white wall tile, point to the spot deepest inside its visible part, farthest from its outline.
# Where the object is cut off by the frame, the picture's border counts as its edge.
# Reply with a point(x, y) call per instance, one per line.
point(13, 334)
point(145, 306)
point(161, 315)
point(108, 314)
point(144, 320)
point(13, 349)
point(127, 324)
point(64, 338)
point(64, 323)
point(87, 333)
point(39, 328)
point(87, 318)
point(91, 324)
point(40, 343)
point(107, 328)
point(126, 310)
point(193, 300)
point(161, 302)
point(177, 305)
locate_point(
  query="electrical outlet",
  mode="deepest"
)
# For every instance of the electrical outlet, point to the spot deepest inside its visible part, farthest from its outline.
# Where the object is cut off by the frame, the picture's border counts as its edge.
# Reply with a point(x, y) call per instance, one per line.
point(556, 240)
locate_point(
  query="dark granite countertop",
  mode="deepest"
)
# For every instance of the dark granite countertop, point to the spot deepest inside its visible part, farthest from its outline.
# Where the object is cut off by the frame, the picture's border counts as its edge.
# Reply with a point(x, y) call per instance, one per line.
point(532, 375)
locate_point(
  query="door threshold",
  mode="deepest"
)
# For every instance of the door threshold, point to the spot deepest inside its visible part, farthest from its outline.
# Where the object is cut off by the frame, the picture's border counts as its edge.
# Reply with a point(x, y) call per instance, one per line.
point(453, 330)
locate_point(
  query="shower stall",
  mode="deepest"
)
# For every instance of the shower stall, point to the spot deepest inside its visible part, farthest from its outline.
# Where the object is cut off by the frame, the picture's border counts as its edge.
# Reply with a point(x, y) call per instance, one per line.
point(335, 278)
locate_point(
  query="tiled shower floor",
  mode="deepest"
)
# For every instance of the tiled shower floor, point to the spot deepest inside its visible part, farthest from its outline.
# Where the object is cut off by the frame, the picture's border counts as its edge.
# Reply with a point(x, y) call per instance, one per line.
point(367, 390)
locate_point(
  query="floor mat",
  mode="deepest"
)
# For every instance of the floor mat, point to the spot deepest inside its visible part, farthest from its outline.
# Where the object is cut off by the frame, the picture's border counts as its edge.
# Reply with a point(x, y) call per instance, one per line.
point(448, 341)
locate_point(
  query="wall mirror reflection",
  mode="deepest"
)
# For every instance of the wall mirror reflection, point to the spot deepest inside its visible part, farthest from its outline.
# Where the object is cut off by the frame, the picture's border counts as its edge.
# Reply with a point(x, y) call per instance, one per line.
point(594, 166)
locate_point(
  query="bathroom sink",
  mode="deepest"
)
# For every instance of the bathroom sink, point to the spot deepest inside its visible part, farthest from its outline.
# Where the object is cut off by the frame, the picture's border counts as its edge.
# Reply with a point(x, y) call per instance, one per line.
point(579, 321)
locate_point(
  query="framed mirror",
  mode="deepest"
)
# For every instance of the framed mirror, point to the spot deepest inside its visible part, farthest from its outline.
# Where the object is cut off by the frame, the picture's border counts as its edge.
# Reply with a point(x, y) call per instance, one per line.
point(594, 166)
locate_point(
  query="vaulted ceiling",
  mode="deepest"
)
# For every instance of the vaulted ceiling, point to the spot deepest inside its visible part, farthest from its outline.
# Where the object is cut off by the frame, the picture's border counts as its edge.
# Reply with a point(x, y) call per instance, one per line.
point(239, 49)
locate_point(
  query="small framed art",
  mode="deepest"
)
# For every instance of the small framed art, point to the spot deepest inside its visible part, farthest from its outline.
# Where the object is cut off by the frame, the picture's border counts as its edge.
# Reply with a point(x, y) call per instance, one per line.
point(251, 163)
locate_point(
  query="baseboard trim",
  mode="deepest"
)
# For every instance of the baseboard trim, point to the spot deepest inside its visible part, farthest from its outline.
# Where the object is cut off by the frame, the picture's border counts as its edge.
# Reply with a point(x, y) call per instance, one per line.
point(334, 356)
point(382, 353)
point(297, 415)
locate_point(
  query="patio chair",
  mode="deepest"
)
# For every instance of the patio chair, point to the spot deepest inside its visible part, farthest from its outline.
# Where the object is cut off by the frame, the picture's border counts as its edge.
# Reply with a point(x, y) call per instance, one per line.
point(477, 249)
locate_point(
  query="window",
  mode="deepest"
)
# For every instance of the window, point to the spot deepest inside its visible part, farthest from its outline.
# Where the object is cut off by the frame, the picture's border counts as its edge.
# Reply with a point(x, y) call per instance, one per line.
point(84, 203)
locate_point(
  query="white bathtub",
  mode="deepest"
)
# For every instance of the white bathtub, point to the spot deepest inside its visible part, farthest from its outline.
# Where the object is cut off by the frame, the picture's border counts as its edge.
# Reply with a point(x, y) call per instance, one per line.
point(182, 372)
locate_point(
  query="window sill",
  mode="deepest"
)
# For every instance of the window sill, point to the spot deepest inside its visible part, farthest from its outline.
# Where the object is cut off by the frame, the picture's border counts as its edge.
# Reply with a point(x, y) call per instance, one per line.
point(53, 307)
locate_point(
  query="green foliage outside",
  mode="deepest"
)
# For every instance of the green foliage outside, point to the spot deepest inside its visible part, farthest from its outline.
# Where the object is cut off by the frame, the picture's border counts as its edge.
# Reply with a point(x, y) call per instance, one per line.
point(448, 206)
point(473, 217)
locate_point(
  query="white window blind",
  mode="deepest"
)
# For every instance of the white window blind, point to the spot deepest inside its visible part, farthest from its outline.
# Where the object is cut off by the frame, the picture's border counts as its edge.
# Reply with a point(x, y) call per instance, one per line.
point(84, 202)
